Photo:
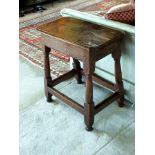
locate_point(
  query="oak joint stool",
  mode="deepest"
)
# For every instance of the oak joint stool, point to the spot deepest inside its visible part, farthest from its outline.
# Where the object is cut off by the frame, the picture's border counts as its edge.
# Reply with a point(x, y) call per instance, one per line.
point(86, 42)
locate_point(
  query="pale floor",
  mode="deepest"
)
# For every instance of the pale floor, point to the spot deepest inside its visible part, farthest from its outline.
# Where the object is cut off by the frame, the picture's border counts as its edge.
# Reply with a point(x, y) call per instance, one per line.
point(55, 128)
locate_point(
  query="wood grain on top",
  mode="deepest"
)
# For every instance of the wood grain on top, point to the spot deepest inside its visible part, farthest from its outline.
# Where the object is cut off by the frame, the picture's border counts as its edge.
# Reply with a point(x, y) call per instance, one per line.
point(80, 32)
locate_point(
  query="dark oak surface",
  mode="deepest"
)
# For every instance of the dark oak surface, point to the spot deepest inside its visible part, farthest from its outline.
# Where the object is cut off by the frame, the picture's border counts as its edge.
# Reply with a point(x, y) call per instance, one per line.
point(79, 32)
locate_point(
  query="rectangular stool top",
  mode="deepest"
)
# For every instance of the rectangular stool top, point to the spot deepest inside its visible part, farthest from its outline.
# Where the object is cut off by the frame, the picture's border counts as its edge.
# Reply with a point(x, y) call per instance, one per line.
point(80, 32)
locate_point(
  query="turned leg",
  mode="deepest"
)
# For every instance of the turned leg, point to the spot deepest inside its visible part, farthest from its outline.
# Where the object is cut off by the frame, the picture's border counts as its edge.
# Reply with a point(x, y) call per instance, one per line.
point(47, 76)
point(118, 78)
point(89, 104)
point(77, 67)
point(89, 67)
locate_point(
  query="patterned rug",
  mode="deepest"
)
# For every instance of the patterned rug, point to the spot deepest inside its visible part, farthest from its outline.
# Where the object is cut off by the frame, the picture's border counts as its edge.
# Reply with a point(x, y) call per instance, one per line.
point(107, 4)
point(30, 41)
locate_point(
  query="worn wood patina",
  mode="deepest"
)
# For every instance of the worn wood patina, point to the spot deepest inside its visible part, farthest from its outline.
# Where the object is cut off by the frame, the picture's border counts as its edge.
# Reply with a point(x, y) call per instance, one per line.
point(89, 43)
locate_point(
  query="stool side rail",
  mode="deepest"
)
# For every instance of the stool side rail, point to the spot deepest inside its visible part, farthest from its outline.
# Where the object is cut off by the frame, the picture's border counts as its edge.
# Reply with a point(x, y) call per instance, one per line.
point(62, 78)
point(67, 100)
point(106, 102)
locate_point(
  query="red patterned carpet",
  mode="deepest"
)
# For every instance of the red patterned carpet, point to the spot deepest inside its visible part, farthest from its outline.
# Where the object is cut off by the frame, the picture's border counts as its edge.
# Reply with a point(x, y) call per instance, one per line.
point(107, 4)
point(30, 40)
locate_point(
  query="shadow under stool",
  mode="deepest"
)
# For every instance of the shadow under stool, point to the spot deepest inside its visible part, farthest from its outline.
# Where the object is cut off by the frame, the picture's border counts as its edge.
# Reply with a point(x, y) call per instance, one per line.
point(88, 43)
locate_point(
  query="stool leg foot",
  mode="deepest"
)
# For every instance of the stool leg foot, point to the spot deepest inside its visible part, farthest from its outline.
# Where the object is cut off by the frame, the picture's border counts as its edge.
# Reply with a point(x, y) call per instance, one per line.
point(49, 98)
point(77, 67)
point(89, 104)
point(120, 89)
point(89, 116)
point(121, 101)
point(89, 128)
point(79, 81)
